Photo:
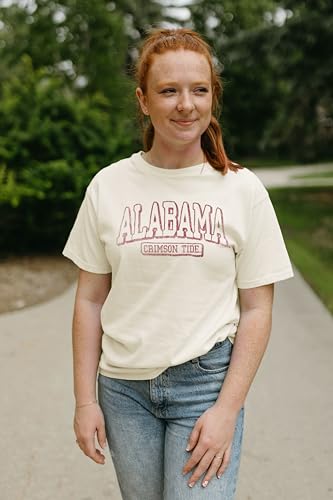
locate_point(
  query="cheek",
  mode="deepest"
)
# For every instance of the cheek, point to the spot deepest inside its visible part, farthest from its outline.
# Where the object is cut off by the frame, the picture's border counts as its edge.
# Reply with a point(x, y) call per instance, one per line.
point(206, 120)
point(207, 113)
point(206, 107)
point(161, 109)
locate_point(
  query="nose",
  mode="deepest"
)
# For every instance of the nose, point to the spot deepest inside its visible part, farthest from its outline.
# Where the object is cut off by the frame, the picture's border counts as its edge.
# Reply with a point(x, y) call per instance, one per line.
point(185, 102)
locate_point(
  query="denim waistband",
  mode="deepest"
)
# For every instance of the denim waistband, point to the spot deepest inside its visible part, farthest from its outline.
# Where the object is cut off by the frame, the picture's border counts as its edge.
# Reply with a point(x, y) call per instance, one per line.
point(215, 346)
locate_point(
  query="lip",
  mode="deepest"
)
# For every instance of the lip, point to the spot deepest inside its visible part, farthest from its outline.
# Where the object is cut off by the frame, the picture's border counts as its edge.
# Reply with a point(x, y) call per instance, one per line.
point(184, 123)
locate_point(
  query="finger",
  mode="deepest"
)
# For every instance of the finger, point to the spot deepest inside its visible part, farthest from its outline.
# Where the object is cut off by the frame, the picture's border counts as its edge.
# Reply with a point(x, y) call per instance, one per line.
point(96, 456)
point(101, 436)
point(197, 455)
point(225, 462)
point(201, 468)
point(101, 457)
point(94, 453)
point(215, 464)
point(88, 448)
point(194, 437)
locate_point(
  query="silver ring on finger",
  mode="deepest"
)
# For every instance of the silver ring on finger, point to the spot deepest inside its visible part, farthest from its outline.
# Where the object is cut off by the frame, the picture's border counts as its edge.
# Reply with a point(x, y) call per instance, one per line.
point(218, 456)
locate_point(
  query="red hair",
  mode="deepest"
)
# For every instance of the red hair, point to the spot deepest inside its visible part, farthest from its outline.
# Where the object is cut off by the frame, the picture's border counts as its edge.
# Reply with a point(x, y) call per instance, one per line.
point(162, 40)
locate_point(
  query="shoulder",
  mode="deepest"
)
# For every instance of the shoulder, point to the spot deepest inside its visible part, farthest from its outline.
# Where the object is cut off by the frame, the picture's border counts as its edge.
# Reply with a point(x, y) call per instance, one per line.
point(112, 176)
point(115, 169)
point(246, 185)
point(243, 176)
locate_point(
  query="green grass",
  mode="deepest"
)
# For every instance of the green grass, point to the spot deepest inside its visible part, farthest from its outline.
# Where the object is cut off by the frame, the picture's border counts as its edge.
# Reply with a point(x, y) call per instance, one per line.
point(266, 163)
point(306, 218)
point(278, 163)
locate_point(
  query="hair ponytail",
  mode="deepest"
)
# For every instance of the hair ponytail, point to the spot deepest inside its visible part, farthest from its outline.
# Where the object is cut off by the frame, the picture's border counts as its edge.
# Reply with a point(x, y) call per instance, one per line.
point(148, 136)
point(212, 145)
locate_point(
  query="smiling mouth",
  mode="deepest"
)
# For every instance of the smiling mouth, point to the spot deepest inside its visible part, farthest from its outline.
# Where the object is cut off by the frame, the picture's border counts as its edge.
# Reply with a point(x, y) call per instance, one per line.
point(184, 122)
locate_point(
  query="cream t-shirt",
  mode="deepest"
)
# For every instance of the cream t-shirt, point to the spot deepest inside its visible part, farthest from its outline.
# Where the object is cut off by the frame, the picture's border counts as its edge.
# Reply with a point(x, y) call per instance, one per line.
point(179, 244)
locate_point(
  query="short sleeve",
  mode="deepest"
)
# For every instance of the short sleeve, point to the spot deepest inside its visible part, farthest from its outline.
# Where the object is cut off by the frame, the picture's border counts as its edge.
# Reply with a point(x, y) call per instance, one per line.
point(84, 246)
point(264, 258)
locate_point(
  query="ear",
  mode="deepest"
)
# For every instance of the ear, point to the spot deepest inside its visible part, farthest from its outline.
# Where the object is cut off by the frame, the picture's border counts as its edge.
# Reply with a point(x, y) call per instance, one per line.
point(142, 101)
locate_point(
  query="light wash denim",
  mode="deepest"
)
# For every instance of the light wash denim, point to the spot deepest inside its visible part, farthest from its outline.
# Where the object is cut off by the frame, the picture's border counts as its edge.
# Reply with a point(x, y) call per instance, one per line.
point(148, 423)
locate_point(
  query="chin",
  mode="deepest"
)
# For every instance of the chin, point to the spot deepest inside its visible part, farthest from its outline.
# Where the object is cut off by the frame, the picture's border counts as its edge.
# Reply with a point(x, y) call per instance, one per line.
point(182, 141)
point(186, 136)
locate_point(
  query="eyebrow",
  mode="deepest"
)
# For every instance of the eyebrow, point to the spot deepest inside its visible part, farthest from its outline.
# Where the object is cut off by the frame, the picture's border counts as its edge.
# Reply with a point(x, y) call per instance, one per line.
point(174, 84)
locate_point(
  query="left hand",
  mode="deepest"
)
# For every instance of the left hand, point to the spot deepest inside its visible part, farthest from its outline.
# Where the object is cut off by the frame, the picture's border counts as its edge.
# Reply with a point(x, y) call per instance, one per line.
point(210, 439)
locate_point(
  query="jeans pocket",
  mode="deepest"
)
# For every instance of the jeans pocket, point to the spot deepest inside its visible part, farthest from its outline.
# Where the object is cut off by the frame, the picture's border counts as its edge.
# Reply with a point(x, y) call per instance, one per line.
point(217, 359)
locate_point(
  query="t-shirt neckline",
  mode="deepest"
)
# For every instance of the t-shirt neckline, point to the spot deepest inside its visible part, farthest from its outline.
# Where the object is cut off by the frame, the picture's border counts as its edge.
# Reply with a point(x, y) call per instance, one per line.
point(145, 167)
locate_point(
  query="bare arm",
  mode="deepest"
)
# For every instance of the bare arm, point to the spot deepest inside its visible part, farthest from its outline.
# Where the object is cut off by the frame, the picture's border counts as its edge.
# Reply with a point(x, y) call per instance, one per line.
point(213, 432)
point(91, 293)
point(250, 344)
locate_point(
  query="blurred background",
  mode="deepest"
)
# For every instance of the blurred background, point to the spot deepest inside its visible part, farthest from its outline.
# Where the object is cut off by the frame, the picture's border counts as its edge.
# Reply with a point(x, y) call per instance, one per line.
point(68, 109)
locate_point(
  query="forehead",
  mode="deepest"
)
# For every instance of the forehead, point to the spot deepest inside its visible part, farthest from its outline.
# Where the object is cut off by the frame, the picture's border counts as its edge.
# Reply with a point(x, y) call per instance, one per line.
point(179, 65)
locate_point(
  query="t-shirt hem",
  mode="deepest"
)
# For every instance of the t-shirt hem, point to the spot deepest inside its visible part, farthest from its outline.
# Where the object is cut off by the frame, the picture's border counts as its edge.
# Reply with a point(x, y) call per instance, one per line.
point(84, 265)
point(134, 373)
point(266, 280)
point(126, 375)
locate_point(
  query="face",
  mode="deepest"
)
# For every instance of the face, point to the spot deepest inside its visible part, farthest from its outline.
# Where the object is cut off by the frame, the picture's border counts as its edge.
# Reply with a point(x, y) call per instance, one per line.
point(178, 97)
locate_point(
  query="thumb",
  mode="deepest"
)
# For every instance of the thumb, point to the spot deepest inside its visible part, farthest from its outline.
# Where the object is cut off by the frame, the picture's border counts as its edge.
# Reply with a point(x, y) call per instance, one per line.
point(194, 436)
point(101, 436)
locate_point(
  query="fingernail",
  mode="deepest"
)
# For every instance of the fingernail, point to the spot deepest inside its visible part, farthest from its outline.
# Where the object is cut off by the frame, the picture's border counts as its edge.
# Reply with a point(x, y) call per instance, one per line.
point(219, 476)
point(204, 484)
point(191, 485)
point(188, 447)
point(104, 445)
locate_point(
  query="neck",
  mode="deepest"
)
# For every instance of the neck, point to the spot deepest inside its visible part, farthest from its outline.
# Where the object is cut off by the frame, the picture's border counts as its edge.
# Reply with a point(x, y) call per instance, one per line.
point(161, 155)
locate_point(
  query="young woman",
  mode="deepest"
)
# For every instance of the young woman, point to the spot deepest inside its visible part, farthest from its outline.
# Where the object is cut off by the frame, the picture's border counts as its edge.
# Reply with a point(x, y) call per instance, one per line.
point(178, 250)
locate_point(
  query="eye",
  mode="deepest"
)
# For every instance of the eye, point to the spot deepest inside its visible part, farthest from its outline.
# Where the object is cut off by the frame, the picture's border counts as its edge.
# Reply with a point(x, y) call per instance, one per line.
point(168, 91)
point(201, 90)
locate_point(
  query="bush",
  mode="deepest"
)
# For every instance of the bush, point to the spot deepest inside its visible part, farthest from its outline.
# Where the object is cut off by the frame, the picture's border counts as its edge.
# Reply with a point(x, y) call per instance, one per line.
point(52, 141)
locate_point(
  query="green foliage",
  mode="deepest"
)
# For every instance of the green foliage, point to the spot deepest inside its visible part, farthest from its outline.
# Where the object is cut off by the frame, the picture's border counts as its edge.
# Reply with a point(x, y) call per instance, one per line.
point(303, 121)
point(38, 211)
point(52, 141)
point(305, 215)
point(76, 38)
point(277, 68)
point(41, 120)
point(67, 108)
point(241, 36)
point(11, 192)
point(220, 21)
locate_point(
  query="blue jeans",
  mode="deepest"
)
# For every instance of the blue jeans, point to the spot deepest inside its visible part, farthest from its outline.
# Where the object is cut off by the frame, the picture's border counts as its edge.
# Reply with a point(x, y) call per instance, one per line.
point(148, 423)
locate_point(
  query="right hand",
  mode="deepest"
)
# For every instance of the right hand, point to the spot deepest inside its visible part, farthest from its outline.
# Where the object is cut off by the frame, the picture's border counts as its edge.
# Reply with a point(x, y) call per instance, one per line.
point(87, 421)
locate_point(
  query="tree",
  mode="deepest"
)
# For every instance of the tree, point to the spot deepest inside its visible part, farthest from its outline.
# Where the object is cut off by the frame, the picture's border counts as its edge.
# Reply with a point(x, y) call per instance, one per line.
point(277, 66)
point(52, 142)
point(304, 121)
point(65, 110)
point(239, 32)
